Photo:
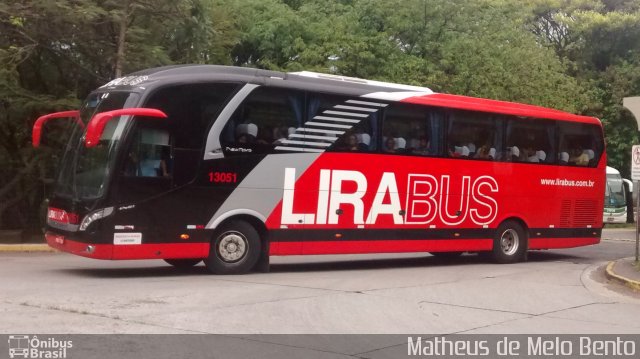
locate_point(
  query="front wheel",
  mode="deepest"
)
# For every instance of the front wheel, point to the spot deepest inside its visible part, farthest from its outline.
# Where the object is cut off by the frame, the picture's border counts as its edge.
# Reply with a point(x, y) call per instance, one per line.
point(235, 249)
point(510, 243)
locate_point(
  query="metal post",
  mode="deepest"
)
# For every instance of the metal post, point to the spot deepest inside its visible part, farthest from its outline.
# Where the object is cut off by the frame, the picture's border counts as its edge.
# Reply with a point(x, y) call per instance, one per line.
point(637, 221)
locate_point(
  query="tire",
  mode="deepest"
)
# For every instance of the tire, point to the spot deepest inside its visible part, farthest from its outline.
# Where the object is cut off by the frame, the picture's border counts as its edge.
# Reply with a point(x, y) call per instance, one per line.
point(510, 243)
point(183, 263)
point(446, 255)
point(235, 249)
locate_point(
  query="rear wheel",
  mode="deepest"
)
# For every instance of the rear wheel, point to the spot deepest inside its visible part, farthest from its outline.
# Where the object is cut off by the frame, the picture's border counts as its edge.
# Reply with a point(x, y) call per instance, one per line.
point(183, 263)
point(235, 249)
point(510, 243)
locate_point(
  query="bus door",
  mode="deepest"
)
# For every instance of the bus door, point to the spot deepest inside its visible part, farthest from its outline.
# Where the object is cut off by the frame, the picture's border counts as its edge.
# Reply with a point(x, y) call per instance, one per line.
point(158, 191)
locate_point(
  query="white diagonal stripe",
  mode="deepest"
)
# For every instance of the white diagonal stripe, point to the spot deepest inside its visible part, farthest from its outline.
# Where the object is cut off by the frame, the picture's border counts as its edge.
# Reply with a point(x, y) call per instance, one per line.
point(306, 143)
point(365, 109)
point(367, 103)
point(324, 124)
point(329, 112)
point(296, 135)
point(298, 149)
point(338, 119)
point(318, 130)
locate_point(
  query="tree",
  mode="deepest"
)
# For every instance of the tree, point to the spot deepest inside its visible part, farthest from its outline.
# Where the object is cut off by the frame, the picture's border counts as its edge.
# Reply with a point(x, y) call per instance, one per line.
point(51, 55)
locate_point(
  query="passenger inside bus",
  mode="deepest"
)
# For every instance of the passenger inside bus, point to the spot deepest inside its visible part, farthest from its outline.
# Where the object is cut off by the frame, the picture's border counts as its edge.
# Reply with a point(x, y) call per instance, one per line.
point(401, 144)
point(246, 133)
point(460, 151)
point(352, 143)
point(364, 140)
point(486, 152)
point(564, 158)
point(591, 155)
point(513, 154)
point(578, 157)
point(423, 147)
point(390, 145)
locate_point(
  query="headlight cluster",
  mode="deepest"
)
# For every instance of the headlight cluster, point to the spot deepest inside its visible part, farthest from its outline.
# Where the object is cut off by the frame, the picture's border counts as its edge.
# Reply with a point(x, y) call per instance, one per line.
point(94, 216)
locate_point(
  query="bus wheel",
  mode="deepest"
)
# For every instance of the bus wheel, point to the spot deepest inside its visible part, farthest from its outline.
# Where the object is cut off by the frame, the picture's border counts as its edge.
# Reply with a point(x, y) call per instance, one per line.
point(183, 263)
point(235, 249)
point(510, 243)
point(446, 255)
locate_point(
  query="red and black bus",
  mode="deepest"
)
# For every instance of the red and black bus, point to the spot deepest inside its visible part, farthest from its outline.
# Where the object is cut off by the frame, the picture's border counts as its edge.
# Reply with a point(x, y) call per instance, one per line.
point(233, 165)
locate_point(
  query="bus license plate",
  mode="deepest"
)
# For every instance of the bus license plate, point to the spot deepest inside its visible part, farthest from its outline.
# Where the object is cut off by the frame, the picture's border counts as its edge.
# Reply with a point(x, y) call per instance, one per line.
point(610, 219)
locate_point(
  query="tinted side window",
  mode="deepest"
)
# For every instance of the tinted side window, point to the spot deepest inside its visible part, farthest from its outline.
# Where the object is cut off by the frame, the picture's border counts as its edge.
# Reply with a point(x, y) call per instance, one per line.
point(475, 135)
point(580, 144)
point(334, 123)
point(413, 130)
point(148, 155)
point(191, 110)
point(349, 124)
point(531, 140)
point(263, 121)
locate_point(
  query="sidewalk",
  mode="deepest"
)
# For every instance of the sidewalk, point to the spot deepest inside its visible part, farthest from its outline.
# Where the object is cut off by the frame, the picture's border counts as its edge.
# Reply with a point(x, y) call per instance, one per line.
point(625, 271)
point(26, 247)
point(12, 242)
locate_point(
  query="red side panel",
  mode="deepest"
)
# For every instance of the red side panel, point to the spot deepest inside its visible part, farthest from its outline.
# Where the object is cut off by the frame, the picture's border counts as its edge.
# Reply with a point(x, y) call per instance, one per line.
point(392, 246)
point(550, 243)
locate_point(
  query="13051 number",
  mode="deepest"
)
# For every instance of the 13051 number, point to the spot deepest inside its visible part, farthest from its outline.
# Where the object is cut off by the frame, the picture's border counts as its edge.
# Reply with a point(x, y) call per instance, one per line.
point(223, 177)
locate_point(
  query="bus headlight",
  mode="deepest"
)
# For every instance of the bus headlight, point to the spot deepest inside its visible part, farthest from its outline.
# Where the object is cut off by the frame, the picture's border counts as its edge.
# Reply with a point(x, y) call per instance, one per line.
point(94, 216)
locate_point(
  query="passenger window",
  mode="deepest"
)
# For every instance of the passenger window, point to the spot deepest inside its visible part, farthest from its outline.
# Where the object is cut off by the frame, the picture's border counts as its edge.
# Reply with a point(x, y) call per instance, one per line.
point(264, 121)
point(412, 130)
point(149, 154)
point(580, 144)
point(531, 140)
point(475, 135)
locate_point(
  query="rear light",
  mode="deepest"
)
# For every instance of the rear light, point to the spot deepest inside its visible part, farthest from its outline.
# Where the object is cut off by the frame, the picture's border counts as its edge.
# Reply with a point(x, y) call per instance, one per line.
point(94, 216)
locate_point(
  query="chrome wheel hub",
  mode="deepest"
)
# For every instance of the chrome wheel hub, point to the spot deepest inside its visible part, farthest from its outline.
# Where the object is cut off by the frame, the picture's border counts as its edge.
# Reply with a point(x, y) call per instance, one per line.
point(232, 247)
point(509, 242)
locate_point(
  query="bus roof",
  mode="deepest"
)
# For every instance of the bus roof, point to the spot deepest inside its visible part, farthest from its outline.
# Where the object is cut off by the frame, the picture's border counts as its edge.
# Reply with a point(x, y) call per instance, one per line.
point(612, 171)
point(146, 79)
point(495, 106)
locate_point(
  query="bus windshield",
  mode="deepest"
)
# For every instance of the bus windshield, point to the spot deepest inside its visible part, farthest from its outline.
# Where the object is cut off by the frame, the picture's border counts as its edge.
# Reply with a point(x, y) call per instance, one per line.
point(84, 171)
point(614, 193)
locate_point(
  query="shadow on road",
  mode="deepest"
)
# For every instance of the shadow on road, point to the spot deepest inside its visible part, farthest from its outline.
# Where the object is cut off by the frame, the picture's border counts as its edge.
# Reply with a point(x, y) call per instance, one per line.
point(317, 266)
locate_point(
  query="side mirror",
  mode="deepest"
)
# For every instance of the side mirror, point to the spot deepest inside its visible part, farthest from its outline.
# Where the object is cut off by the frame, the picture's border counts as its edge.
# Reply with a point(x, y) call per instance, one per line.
point(36, 134)
point(96, 126)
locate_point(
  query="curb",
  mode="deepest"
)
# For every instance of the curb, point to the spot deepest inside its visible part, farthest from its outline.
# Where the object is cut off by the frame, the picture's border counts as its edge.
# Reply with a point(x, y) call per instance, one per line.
point(25, 248)
point(624, 280)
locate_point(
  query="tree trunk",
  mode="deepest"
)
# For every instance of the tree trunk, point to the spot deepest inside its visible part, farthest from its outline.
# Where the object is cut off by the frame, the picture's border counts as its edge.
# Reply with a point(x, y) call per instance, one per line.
point(122, 39)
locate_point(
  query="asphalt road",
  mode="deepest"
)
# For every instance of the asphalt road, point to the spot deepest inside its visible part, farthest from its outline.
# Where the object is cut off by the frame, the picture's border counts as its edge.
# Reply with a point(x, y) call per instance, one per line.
point(560, 291)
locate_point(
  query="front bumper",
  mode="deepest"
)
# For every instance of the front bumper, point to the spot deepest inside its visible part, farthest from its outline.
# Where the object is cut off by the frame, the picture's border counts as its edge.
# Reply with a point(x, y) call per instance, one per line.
point(135, 251)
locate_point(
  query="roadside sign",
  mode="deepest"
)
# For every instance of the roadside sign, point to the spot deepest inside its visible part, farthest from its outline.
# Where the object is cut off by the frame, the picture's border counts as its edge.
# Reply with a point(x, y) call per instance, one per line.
point(635, 163)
